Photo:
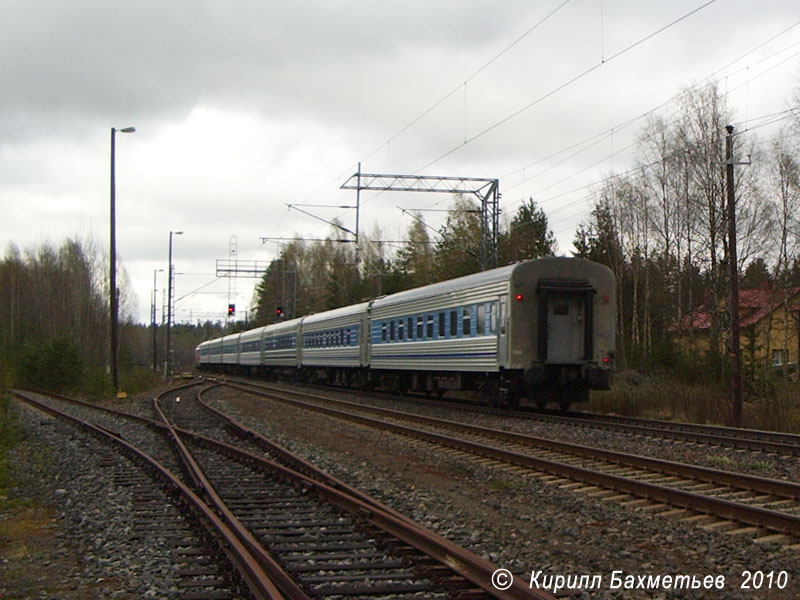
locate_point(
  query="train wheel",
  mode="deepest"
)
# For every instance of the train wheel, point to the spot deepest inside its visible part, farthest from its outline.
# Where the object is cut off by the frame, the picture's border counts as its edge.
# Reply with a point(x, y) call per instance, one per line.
point(490, 392)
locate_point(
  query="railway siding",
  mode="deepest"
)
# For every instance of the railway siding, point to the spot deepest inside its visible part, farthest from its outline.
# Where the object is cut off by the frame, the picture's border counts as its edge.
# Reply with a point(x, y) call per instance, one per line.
point(518, 522)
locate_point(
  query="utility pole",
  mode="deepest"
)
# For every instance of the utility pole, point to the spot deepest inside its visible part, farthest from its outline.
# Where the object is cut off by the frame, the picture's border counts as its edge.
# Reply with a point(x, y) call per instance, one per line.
point(112, 284)
point(736, 351)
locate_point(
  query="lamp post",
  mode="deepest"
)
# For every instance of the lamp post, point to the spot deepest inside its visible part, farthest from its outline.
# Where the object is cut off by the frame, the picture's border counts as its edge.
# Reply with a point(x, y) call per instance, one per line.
point(113, 292)
point(170, 276)
point(155, 303)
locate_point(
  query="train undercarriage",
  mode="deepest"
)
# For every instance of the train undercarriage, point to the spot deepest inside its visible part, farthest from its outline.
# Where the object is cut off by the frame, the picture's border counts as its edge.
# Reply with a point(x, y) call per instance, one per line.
point(560, 385)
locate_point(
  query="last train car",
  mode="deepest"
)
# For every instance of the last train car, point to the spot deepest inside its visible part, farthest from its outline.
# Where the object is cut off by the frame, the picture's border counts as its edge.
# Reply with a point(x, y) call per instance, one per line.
point(541, 328)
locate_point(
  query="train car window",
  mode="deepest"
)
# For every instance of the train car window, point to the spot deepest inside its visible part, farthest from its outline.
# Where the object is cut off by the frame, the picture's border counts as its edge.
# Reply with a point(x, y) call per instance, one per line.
point(410, 328)
point(429, 331)
point(400, 329)
point(391, 329)
point(383, 331)
point(420, 327)
point(442, 330)
point(480, 320)
point(466, 321)
point(453, 323)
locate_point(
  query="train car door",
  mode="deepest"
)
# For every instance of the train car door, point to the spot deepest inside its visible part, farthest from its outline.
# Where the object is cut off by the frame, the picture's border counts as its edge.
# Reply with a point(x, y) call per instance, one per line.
point(565, 328)
point(565, 321)
point(502, 344)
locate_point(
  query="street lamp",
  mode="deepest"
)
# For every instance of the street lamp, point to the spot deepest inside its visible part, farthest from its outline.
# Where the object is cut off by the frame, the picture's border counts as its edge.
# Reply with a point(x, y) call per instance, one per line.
point(113, 292)
point(155, 302)
point(170, 276)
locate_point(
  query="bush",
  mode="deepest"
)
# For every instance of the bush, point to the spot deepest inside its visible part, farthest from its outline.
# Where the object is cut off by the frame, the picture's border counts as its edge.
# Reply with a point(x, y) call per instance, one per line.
point(10, 436)
point(139, 379)
point(54, 364)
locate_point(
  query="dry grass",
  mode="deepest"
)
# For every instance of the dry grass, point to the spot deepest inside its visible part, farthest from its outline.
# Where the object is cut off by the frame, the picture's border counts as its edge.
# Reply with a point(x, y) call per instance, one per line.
point(672, 399)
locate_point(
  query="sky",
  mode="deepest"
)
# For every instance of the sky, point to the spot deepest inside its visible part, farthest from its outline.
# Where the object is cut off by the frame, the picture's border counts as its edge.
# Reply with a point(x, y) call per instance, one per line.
point(242, 107)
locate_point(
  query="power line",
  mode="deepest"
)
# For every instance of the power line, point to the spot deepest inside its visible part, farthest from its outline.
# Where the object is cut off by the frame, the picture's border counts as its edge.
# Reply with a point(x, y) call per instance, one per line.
point(462, 85)
point(566, 84)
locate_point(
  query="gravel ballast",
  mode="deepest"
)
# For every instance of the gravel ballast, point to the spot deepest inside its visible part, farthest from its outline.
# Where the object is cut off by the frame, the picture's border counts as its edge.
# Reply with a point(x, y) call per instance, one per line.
point(522, 523)
point(518, 522)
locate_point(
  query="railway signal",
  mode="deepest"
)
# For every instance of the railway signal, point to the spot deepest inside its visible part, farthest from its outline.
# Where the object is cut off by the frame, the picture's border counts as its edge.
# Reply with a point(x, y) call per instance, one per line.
point(231, 310)
point(279, 312)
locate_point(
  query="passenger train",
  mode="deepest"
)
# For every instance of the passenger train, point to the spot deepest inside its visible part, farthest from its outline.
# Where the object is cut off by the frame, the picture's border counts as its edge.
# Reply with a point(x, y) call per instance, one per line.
point(542, 329)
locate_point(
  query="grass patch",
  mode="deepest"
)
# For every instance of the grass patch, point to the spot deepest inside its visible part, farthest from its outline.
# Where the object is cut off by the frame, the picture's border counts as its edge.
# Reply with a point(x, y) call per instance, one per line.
point(140, 379)
point(760, 465)
point(720, 461)
point(499, 485)
point(11, 434)
point(670, 398)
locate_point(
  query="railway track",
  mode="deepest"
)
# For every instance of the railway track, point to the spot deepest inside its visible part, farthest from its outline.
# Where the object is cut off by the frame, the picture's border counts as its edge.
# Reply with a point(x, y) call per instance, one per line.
point(767, 509)
point(755, 440)
point(302, 535)
point(212, 563)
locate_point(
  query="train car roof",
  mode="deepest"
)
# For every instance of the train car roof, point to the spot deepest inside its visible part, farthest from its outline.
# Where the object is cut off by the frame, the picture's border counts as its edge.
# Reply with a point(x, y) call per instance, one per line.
point(546, 266)
point(289, 325)
point(251, 333)
point(335, 313)
point(451, 285)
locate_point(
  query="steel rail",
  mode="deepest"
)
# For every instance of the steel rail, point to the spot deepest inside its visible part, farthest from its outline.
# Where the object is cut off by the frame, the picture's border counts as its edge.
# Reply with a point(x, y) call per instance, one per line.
point(465, 563)
point(276, 573)
point(688, 432)
point(751, 515)
point(257, 580)
point(748, 439)
point(288, 457)
point(460, 560)
point(772, 437)
point(785, 489)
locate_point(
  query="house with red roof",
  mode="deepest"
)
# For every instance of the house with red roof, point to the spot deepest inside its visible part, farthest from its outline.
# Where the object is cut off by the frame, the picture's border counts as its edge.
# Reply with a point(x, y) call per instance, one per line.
point(769, 322)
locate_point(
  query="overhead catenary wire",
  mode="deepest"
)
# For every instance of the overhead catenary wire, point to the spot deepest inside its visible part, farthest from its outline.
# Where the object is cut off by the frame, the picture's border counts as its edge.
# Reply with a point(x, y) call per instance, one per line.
point(565, 84)
point(598, 137)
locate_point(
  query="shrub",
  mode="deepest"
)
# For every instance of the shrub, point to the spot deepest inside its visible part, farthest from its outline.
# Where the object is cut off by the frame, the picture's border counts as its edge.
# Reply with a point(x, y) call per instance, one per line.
point(54, 364)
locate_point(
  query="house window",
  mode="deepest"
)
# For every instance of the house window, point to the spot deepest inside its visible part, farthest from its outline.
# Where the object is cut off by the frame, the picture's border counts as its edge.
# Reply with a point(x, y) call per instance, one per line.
point(780, 357)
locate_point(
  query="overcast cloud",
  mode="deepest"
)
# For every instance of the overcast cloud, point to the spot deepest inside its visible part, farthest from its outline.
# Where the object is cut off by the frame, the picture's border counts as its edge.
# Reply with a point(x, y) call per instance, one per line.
point(243, 106)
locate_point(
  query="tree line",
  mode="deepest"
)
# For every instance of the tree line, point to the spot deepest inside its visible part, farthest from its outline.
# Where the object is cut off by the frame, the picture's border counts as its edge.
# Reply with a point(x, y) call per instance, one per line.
point(310, 277)
point(661, 227)
point(53, 314)
point(54, 322)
